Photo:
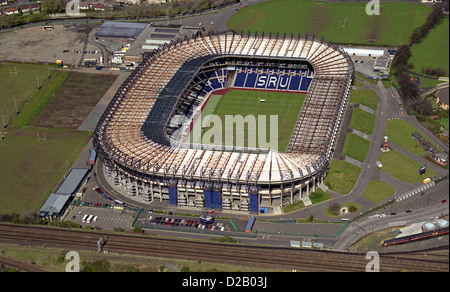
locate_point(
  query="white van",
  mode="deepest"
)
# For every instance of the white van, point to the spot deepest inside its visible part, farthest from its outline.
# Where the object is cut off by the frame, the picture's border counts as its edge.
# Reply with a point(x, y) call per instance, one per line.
point(379, 164)
point(88, 220)
point(84, 218)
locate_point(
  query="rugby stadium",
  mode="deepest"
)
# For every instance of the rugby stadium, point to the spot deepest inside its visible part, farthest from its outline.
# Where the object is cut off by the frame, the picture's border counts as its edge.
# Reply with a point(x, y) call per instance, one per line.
point(142, 136)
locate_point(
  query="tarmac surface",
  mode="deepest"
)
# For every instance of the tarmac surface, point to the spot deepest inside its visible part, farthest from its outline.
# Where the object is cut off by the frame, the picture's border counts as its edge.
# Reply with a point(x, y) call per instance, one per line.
point(34, 44)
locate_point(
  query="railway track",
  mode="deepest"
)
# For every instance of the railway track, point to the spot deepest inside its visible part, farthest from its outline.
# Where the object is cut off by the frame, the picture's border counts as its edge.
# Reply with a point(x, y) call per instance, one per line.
point(275, 257)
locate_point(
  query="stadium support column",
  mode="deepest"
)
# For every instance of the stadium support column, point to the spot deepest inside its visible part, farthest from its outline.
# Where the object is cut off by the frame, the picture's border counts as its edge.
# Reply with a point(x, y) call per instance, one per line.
point(254, 204)
point(314, 185)
point(172, 196)
point(217, 197)
point(207, 194)
point(173, 193)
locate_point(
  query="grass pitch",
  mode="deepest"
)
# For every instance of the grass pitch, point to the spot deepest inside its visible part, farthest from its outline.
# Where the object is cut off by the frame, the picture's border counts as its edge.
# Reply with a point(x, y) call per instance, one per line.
point(247, 103)
point(345, 23)
point(19, 81)
point(30, 168)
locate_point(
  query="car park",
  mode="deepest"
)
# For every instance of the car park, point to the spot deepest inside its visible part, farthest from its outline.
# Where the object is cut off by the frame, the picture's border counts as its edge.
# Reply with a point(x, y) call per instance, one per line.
point(98, 190)
point(185, 223)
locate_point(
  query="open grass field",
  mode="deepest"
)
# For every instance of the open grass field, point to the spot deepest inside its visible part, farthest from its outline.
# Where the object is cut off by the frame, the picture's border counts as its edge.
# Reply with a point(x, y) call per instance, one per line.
point(402, 167)
point(356, 147)
point(365, 97)
point(286, 106)
point(432, 52)
point(400, 131)
point(30, 169)
point(377, 190)
point(19, 81)
point(362, 121)
point(342, 176)
point(344, 23)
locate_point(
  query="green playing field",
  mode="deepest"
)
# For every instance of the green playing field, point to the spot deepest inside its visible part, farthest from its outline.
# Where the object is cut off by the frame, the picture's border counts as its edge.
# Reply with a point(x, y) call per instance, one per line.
point(340, 22)
point(253, 106)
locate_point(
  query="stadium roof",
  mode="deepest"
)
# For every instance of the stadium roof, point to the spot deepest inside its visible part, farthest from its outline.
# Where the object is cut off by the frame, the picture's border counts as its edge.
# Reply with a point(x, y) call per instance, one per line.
point(123, 30)
point(159, 82)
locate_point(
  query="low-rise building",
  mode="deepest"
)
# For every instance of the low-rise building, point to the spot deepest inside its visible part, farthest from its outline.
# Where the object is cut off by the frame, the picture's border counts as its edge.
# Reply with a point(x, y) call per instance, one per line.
point(29, 8)
point(442, 98)
point(441, 158)
point(11, 11)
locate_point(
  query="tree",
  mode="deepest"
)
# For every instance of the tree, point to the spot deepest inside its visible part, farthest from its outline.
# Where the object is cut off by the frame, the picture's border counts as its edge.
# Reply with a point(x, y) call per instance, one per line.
point(408, 88)
point(52, 6)
point(96, 266)
point(170, 12)
point(334, 208)
point(400, 62)
point(424, 107)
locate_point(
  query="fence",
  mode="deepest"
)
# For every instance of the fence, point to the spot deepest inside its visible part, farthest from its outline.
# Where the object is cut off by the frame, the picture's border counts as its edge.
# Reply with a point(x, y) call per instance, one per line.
point(415, 191)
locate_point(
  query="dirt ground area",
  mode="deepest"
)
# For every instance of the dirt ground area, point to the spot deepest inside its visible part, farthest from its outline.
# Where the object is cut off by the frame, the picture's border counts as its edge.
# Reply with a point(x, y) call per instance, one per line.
point(73, 101)
point(37, 45)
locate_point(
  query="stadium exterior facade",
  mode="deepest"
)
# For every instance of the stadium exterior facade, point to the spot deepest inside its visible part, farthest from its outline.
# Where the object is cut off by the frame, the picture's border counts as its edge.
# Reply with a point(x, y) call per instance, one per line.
point(134, 136)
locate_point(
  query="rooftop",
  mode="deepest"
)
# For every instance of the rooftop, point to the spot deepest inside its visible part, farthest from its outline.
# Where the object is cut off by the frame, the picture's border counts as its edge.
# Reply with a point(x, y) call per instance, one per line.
point(72, 181)
point(54, 204)
point(443, 95)
point(124, 30)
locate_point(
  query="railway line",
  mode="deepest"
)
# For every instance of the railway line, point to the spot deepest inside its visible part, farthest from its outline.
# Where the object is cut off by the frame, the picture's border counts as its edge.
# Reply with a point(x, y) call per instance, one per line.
point(276, 257)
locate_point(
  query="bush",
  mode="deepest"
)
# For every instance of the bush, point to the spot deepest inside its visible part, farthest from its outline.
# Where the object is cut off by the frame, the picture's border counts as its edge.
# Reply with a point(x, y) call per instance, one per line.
point(352, 208)
point(334, 208)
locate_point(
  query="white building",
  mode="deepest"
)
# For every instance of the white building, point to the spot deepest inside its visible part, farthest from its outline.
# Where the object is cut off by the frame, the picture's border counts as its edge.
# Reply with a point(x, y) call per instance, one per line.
point(363, 52)
point(11, 11)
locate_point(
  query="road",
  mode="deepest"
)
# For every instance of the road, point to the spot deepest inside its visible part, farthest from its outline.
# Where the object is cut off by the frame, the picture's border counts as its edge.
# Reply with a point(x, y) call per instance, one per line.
point(423, 209)
point(216, 20)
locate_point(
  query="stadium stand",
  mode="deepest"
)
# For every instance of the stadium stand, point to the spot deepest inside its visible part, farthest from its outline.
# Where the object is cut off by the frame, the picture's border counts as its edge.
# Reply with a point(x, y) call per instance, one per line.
point(134, 137)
